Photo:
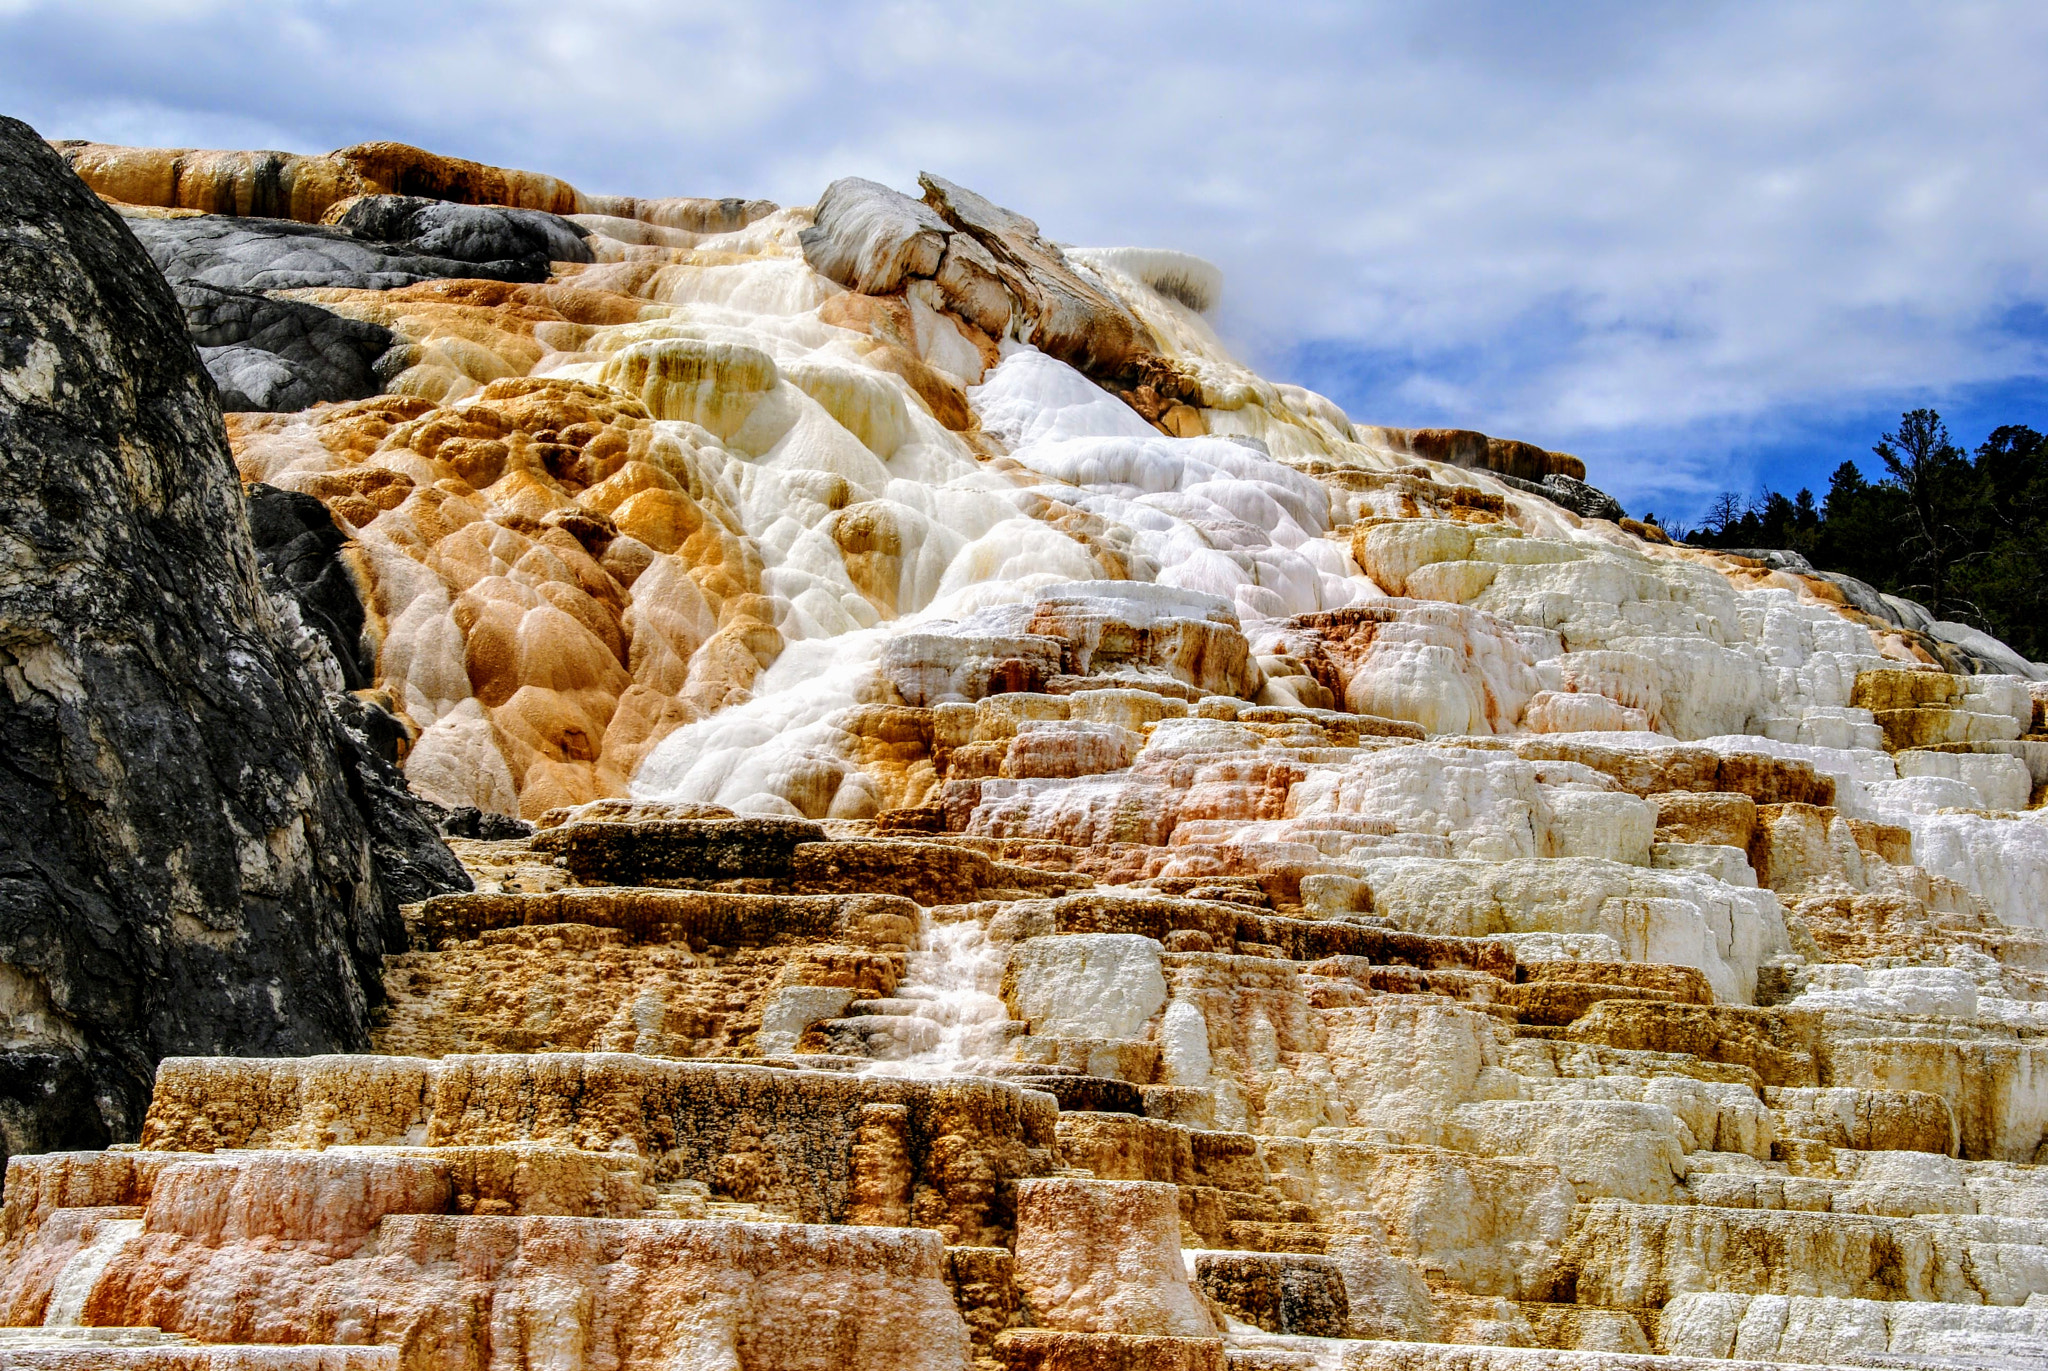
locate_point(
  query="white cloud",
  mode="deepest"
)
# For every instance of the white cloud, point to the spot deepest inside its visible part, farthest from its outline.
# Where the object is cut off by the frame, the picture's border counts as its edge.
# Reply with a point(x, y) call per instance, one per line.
point(1631, 220)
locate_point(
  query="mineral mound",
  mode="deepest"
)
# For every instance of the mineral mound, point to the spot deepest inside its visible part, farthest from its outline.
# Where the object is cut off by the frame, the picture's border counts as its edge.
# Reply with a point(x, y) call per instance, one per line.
point(1001, 838)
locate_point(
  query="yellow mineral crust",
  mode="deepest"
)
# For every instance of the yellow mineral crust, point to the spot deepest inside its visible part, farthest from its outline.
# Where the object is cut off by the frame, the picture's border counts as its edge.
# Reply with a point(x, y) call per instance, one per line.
point(556, 581)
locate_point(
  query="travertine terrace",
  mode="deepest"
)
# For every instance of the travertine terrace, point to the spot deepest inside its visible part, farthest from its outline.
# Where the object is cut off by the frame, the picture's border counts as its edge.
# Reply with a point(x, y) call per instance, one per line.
point(1052, 851)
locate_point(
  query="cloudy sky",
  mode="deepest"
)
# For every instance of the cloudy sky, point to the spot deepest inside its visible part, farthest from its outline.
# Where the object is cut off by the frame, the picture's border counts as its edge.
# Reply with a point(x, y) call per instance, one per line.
point(1706, 246)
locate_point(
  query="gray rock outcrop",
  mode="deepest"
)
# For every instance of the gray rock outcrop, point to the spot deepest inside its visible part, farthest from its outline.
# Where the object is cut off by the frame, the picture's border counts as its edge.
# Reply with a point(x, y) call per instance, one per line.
point(1586, 501)
point(281, 355)
point(278, 355)
point(468, 233)
point(188, 863)
point(1568, 492)
point(298, 548)
point(277, 254)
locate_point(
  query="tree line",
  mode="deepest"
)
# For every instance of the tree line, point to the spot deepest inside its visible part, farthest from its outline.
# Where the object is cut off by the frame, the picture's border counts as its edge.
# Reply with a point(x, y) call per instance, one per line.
point(1966, 536)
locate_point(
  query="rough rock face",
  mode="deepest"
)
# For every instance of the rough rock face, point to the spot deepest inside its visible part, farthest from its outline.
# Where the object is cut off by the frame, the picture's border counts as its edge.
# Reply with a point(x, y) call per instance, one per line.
point(276, 254)
point(468, 233)
point(185, 867)
point(268, 354)
point(1052, 850)
point(298, 547)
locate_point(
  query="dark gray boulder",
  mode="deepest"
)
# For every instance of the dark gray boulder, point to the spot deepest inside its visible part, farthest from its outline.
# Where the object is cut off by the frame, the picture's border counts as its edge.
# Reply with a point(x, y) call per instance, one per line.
point(277, 254)
point(48, 1101)
point(281, 355)
point(1279, 1292)
point(1586, 501)
point(299, 557)
point(298, 550)
point(1776, 558)
point(406, 832)
point(468, 233)
point(1568, 492)
point(187, 864)
point(470, 822)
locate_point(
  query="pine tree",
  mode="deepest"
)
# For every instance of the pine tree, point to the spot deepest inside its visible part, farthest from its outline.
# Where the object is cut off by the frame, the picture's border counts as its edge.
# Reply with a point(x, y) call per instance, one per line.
point(1940, 488)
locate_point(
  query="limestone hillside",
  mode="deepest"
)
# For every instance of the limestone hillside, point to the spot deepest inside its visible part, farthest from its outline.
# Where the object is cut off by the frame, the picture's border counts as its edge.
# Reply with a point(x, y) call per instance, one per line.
point(999, 837)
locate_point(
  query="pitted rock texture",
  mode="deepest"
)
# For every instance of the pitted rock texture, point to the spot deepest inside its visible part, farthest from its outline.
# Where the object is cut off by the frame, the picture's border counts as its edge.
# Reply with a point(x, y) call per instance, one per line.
point(187, 867)
point(467, 233)
point(1040, 835)
point(270, 354)
point(275, 254)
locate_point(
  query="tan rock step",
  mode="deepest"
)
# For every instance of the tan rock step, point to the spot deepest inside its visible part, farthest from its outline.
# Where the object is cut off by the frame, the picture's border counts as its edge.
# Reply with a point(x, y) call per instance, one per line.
point(1985, 1073)
point(61, 1336)
point(1267, 1235)
point(93, 1354)
point(1105, 1256)
point(1765, 779)
point(1125, 1059)
point(1798, 1329)
point(1988, 1076)
point(1937, 725)
point(2030, 748)
point(452, 1289)
point(1549, 1054)
point(789, 1135)
point(788, 857)
point(1776, 1045)
point(574, 988)
point(1268, 1352)
point(1226, 924)
point(1045, 1349)
point(1630, 1255)
point(333, 1198)
point(1865, 1120)
point(680, 1200)
point(652, 988)
point(1895, 1184)
point(737, 1211)
point(695, 917)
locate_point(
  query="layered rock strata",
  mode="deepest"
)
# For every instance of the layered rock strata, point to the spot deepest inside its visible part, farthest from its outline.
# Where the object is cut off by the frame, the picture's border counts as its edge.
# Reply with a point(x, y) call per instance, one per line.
point(1053, 851)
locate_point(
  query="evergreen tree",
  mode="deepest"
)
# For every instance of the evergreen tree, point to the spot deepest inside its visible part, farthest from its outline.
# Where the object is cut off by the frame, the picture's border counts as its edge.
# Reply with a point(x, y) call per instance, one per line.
point(1942, 495)
point(1967, 538)
point(2005, 584)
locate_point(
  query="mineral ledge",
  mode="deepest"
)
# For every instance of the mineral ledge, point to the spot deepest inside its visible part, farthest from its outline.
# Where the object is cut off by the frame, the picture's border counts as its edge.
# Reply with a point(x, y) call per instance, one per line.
point(1052, 851)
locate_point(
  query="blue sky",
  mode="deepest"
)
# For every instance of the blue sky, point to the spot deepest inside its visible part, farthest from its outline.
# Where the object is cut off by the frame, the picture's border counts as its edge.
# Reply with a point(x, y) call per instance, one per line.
point(1706, 246)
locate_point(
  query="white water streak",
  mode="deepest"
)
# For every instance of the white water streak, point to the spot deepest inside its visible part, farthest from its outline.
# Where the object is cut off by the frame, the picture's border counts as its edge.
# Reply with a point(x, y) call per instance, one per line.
point(74, 1284)
point(956, 978)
